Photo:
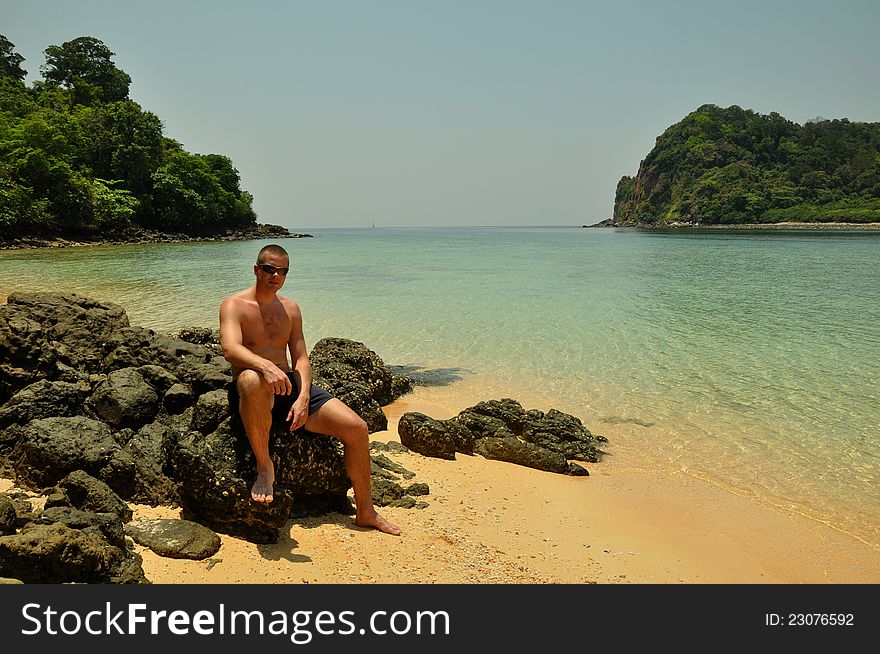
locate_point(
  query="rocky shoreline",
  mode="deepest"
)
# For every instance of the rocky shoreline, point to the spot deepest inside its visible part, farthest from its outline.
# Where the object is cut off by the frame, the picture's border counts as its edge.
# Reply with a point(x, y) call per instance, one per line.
point(95, 413)
point(609, 222)
point(141, 236)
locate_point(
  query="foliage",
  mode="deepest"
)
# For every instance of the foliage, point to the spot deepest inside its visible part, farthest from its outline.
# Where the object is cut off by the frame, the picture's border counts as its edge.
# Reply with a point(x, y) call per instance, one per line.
point(10, 60)
point(78, 158)
point(736, 166)
point(84, 66)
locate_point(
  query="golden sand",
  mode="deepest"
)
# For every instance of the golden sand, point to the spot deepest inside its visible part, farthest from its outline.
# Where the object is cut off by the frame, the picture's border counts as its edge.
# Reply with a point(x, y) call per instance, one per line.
point(494, 522)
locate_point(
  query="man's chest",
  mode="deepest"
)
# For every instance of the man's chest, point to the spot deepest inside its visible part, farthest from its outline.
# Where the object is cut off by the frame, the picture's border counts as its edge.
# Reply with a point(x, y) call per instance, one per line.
point(267, 326)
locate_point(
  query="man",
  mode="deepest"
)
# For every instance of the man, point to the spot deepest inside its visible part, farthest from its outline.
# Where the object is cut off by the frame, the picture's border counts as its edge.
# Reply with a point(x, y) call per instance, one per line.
point(258, 328)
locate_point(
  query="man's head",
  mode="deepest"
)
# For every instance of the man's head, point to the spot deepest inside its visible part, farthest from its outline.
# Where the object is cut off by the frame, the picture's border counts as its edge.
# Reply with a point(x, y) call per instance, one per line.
point(272, 266)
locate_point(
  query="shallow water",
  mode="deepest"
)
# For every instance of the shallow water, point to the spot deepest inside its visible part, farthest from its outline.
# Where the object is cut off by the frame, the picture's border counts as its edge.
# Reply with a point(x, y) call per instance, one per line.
point(745, 357)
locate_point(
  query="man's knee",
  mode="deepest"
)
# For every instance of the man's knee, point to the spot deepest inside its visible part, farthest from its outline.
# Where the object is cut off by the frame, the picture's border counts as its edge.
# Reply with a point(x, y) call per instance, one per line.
point(356, 430)
point(250, 382)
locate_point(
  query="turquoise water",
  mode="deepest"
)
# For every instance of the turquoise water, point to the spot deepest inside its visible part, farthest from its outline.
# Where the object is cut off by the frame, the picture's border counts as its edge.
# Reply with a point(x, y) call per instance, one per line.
point(746, 358)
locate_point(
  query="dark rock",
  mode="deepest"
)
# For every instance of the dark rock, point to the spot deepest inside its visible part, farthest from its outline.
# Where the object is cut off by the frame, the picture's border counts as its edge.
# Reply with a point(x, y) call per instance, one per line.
point(563, 433)
point(210, 472)
point(311, 467)
point(204, 377)
point(177, 398)
point(385, 491)
point(7, 516)
point(56, 553)
point(498, 418)
point(418, 488)
point(176, 539)
point(57, 498)
point(150, 449)
point(341, 361)
point(400, 386)
point(24, 509)
point(198, 335)
point(89, 494)
point(391, 446)
point(41, 331)
point(107, 525)
point(211, 409)
point(484, 426)
point(384, 462)
point(50, 448)
point(381, 472)
point(518, 436)
point(462, 436)
point(526, 454)
point(423, 434)
point(420, 376)
point(44, 399)
point(159, 378)
point(125, 399)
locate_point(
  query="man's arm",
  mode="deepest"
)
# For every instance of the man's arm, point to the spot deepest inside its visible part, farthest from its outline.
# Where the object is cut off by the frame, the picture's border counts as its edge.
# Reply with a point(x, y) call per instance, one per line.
point(302, 367)
point(238, 356)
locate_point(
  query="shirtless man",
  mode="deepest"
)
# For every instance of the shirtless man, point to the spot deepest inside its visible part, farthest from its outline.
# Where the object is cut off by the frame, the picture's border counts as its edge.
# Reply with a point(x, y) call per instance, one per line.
point(257, 329)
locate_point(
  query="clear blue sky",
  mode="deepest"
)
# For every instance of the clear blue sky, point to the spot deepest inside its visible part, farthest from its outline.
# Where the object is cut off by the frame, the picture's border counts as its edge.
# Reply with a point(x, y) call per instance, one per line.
point(459, 112)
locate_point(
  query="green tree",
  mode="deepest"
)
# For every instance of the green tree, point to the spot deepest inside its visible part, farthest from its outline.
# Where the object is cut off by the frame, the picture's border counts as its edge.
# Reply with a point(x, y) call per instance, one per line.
point(84, 66)
point(10, 60)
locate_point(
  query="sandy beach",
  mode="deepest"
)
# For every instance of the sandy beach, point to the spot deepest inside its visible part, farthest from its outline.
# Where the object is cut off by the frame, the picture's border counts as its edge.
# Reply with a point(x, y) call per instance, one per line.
point(493, 522)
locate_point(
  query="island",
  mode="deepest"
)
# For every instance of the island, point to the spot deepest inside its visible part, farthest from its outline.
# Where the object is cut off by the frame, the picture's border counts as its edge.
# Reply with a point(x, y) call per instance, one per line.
point(732, 166)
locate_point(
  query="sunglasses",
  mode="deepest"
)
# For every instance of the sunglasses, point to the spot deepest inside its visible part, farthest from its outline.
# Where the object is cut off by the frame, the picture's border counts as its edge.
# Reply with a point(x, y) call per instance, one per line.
point(269, 269)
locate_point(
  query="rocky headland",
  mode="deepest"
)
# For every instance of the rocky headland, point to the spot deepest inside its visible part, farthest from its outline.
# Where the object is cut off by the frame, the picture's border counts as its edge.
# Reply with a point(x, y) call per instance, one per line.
point(96, 413)
point(139, 235)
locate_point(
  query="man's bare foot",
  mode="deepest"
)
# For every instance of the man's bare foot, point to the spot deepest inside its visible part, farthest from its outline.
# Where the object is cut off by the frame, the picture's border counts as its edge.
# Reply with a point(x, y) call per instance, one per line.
point(262, 490)
point(378, 522)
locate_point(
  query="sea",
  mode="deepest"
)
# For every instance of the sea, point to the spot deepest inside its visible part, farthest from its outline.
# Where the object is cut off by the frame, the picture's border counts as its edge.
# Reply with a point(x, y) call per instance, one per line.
point(747, 358)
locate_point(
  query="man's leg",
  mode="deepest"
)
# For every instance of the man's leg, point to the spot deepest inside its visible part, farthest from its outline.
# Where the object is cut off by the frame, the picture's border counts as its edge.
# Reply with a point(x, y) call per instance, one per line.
point(334, 418)
point(255, 407)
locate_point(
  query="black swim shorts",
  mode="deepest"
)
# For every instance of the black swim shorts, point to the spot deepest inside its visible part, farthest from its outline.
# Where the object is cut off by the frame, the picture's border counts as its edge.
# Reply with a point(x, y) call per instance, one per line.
point(317, 398)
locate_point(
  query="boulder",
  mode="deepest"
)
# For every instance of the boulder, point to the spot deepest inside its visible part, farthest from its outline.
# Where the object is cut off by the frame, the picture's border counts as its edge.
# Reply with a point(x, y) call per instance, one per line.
point(564, 433)
point(107, 525)
point(177, 398)
point(425, 435)
point(48, 449)
point(176, 539)
point(150, 449)
point(211, 409)
point(340, 361)
point(312, 468)
point(125, 399)
point(43, 333)
point(503, 430)
point(56, 553)
point(215, 474)
point(44, 399)
point(498, 418)
point(89, 494)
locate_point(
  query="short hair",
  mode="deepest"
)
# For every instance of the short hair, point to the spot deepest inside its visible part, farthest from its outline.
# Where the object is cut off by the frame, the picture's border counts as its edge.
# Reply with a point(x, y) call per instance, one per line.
point(271, 250)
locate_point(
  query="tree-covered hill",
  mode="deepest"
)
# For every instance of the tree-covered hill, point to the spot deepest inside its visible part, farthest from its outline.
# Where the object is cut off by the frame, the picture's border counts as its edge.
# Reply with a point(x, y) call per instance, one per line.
point(80, 159)
point(730, 166)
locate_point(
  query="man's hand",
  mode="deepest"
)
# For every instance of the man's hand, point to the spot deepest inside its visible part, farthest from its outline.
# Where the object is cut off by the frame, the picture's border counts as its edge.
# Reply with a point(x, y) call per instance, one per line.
point(277, 379)
point(299, 413)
